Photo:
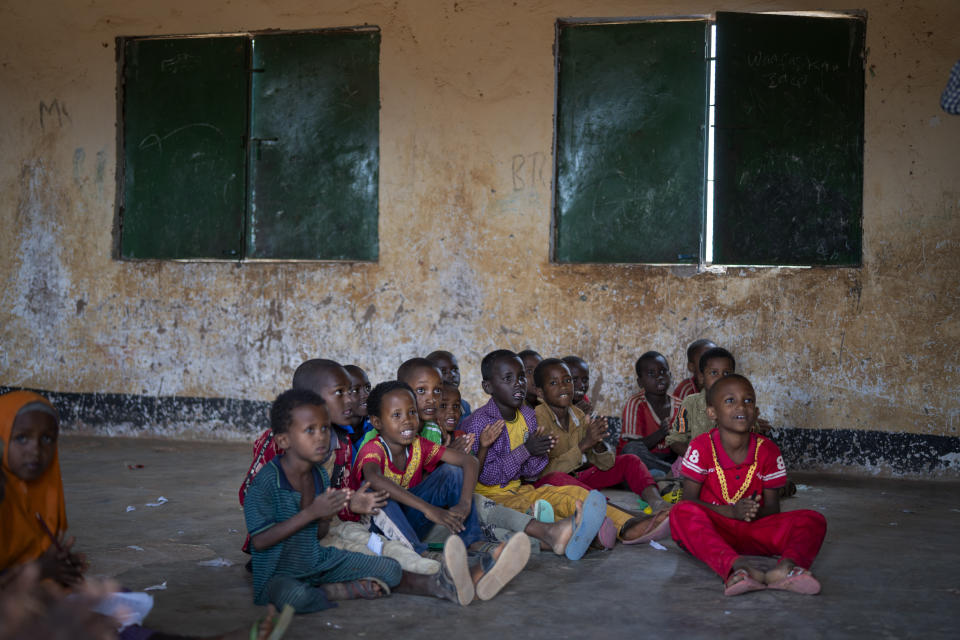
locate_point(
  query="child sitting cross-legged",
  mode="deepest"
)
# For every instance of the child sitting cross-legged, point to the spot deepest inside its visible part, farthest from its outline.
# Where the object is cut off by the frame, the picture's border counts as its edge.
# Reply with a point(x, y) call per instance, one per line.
point(289, 507)
point(332, 383)
point(511, 447)
point(501, 522)
point(648, 414)
point(581, 456)
point(397, 462)
point(43, 590)
point(731, 506)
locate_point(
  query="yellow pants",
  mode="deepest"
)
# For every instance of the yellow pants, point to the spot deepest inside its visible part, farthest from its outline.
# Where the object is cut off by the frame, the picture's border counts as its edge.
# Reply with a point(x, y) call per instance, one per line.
point(562, 499)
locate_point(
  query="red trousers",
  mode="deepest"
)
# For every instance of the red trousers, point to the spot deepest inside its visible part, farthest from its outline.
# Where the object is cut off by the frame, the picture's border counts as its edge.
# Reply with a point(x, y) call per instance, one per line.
point(627, 469)
point(719, 540)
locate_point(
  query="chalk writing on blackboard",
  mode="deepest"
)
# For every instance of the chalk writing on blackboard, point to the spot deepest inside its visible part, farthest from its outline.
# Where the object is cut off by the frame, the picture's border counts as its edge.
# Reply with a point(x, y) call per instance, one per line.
point(156, 140)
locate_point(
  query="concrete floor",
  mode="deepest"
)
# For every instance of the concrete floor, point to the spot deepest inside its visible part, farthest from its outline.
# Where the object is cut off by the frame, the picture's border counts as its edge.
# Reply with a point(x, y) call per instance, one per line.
point(889, 567)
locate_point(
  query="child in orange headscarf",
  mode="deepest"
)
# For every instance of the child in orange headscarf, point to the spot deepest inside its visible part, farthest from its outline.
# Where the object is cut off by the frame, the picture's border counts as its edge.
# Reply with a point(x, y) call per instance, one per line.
point(33, 525)
point(33, 519)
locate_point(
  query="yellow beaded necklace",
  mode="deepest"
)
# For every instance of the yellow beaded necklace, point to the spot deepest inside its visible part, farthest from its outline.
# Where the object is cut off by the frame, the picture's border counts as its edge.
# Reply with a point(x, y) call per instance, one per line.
point(722, 476)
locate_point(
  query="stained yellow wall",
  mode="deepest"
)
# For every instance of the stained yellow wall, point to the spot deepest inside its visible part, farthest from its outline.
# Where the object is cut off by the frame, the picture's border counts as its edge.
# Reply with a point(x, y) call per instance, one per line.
point(466, 132)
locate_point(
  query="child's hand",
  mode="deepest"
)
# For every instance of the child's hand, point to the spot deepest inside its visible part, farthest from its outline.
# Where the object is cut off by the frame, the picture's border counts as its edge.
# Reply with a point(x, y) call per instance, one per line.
point(364, 501)
point(747, 508)
point(539, 444)
point(61, 564)
point(596, 431)
point(463, 443)
point(490, 433)
point(329, 503)
point(34, 608)
point(461, 511)
point(447, 517)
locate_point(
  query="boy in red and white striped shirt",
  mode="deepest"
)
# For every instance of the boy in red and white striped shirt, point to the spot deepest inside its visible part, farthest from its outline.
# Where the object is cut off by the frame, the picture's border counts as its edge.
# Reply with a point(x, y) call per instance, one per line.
point(692, 385)
point(648, 414)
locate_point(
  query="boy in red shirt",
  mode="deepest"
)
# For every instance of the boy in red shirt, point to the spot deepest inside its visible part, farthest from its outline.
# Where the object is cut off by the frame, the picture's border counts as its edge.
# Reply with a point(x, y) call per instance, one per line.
point(731, 505)
point(692, 384)
point(648, 414)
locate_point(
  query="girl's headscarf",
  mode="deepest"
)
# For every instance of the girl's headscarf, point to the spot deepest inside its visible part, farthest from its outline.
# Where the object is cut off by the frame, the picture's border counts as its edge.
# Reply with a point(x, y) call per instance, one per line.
point(22, 537)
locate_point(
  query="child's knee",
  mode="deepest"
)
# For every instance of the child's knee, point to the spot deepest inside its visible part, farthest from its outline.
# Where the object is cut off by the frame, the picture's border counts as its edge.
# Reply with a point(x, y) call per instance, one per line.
point(814, 520)
point(450, 476)
point(630, 460)
point(684, 511)
point(450, 471)
point(388, 570)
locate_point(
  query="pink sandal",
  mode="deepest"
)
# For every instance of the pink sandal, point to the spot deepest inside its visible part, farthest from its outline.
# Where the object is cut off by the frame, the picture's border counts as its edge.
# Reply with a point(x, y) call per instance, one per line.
point(799, 580)
point(607, 536)
point(659, 528)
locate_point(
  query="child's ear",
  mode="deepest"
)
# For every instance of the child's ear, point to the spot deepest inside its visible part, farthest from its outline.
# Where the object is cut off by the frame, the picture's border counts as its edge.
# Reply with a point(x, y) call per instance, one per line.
point(711, 413)
point(692, 368)
point(485, 384)
point(282, 440)
point(375, 421)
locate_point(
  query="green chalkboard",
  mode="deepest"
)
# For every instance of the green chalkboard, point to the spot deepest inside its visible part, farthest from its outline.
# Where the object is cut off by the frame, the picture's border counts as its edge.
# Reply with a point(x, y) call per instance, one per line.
point(184, 153)
point(789, 140)
point(631, 111)
point(314, 167)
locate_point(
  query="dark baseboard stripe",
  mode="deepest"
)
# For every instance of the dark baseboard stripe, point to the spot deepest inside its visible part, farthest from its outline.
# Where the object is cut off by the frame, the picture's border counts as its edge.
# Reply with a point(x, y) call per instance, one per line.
point(144, 415)
point(874, 452)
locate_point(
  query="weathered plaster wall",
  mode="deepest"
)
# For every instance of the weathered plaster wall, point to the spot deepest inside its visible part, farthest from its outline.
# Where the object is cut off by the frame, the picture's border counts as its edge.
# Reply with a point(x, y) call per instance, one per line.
point(466, 133)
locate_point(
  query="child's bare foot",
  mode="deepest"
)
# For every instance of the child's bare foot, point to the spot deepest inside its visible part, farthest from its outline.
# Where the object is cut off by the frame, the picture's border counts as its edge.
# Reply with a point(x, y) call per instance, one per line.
point(365, 588)
point(779, 572)
point(786, 576)
point(555, 535)
point(743, 578)
point(645, 528)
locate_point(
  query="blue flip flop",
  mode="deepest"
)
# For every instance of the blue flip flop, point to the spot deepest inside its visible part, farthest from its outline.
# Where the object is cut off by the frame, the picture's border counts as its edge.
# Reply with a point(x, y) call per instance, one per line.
point(594, 511)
